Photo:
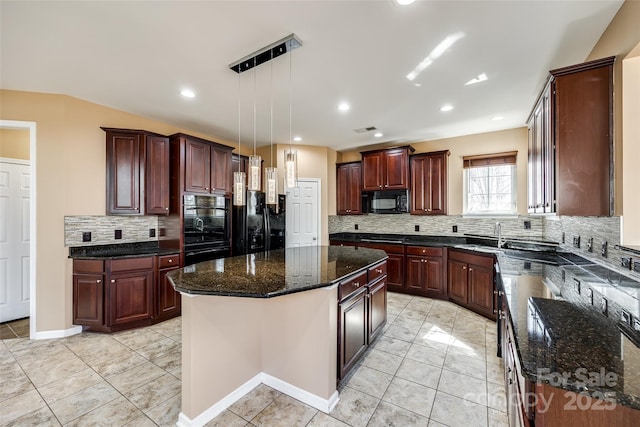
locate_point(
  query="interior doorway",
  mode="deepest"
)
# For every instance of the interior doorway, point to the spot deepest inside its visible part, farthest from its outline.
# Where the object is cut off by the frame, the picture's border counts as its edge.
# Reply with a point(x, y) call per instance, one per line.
point(303, 213)
point(18, 257)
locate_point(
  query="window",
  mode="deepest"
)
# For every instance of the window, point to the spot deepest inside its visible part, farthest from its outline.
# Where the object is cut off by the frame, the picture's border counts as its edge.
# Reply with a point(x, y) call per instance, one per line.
point(490, 184)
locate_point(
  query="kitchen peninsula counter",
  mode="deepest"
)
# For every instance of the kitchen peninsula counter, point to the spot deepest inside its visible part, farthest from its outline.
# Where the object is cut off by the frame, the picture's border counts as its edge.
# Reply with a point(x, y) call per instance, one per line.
point(267, 318)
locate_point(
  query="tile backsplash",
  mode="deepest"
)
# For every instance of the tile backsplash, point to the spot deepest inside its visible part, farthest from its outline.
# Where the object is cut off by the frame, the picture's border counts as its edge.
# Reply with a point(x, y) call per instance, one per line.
point(102, 229)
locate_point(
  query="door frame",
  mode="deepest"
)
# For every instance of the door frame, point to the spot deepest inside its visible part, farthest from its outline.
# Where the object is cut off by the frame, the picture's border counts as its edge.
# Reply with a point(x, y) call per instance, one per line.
point(31, 126)
point(318, 200)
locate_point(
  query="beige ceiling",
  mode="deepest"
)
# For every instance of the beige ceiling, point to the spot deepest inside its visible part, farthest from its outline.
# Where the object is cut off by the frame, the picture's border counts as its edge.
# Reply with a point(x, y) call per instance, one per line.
point(137, 56)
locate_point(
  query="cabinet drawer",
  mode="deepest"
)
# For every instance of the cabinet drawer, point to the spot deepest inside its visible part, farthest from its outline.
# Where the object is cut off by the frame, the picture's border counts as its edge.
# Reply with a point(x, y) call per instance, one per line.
point(377, 271)
point(128, 264)
point(478, 260)
point(86, 266)
point(424, 251)
point(387, 247)
point(351, 285)
point(169, 261)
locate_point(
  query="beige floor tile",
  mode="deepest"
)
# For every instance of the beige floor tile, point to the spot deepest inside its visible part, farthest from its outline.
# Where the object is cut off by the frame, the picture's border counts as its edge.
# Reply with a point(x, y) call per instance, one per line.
point(388, 415)
point(169, 361)
point(138, 338)
point(143, 421)
point(70, 385)
point(436, 424)
point(285, 411)
point(63, 369)
point(468, 348)
point(13, 381)
point(159, 349)
point(410, 396)
point(107, 350)
point(323, 420)
point(498, 418)
point(254, 402)
point(420, 305)
point(118, 412)
point(227, 419)
point(402, 332)
point(166, 413)
point(370, 381)
point(495, 373)
point(463, 386)
point(159, 390)
point(82, 402)
point(111, 367)
point(496, 396)
point(385, 362)
point(434, 337)
point(42, 417)
point(428, 355)
point(43, 357)
point(455, 412)
point(421, 373)
point(466, 365)
point(354, 407)
point(133, 378)
point(20, 405)
point(177, 372)
point(392, 345)
point(169, 327)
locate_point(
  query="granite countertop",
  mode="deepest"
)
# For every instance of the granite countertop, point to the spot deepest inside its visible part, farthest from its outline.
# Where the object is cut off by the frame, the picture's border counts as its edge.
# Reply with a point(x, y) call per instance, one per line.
point(121, 250)
point(555, 337)
point(266, 274)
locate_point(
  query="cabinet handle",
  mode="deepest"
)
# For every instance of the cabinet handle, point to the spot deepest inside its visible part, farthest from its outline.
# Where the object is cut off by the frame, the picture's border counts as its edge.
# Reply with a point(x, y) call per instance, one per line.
point(510, 381)
point(428, 210)
point(509, 370)
point(379, 270)
point(113, 280)
point(357, 284)
point(98, 281)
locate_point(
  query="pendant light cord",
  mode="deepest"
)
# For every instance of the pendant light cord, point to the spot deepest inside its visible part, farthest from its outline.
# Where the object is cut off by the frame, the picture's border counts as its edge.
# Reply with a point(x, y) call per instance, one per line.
point(254, 106)
point(290, 101)
point(271, 118)
point(239, 129)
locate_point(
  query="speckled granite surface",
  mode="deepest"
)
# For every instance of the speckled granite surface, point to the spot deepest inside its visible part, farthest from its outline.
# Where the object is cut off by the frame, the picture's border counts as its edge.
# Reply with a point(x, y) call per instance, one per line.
point(568, 343)
point(122, 250)
point(274, 273)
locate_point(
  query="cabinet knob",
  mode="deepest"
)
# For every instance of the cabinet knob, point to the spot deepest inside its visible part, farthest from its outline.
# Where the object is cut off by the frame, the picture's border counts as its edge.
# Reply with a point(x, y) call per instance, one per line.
point(464, 267)
point(510, 381)
point(357, 284)
point(98, 281)
point(166, 209)
point(170, 261)
point(379, 270)
point(113, 280)
point(428, 210)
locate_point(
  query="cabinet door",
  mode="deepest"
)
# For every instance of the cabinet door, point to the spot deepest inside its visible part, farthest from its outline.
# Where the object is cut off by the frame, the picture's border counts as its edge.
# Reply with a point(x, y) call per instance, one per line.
point(481, 290)
point(437, 189)
point(538, 117)
point(124, 153)
point(168, 300)
point(372, 165)
point(415, 274)
point(531, 171)
point(343, 201)
point(197, 167)
point(548, 154)
point(396, 170)
point(88, 300)
point(457, 275)
point(434, 280)
point(221, 170)
point(355, 188)
point(157, 175)
point(377, 308)
point(395, 272)
point(130, 296)
point(352, 330)
point(419, 189)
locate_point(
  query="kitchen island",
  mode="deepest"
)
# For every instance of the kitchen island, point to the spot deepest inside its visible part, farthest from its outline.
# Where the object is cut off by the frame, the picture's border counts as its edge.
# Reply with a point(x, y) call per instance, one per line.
point(272, 318)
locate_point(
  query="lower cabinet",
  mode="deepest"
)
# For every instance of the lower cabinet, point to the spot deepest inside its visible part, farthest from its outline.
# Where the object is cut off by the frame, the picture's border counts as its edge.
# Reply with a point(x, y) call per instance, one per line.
point(395, 263)
point(471, 282)
point(362, 314)
point(425, 271)
point(116, 294)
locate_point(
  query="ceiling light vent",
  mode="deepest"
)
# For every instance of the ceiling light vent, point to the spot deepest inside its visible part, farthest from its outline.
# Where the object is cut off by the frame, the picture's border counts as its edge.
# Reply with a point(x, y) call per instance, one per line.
point(366, 129)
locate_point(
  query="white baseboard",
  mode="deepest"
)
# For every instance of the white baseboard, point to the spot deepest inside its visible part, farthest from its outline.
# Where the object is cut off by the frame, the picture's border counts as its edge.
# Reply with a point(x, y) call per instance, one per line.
point(45, 335)
point(324, 405)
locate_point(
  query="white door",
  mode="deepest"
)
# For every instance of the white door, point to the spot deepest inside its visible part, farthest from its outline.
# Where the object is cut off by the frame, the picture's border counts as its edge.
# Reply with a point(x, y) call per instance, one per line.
point(303, 214)
point(15, 181)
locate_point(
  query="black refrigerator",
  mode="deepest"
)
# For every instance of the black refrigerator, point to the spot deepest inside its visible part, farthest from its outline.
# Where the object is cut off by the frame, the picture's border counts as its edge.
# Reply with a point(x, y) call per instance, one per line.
point(258, 227)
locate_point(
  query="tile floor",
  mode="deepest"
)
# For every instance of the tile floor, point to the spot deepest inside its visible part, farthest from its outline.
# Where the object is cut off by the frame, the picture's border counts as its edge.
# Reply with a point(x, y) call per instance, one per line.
point(433, 366)
point(14, 329)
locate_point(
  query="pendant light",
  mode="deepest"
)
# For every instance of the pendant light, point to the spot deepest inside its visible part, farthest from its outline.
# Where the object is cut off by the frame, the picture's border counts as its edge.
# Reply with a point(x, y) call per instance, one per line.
point(255, 161)
point(290, 155)
point(239, 177)
point(271, 173)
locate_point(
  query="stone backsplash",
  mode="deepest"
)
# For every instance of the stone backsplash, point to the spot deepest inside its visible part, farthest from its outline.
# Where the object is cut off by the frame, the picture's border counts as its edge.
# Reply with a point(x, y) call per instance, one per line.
point(102, 229)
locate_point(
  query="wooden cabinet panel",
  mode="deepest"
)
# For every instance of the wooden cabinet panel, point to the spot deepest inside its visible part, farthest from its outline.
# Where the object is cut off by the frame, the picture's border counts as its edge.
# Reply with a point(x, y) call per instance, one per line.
point(434, 279)
point(377, 309)
point(353, 330)
point(221, 175)
point(352, 285)
point(157, 175)
point(415, 274)
point(124, 154)
point(396, 170)
point(481, 290)
point(457, 273)
point(88, 302)
point(349, 188)
point(197, 167)
point(130, 296)
point(395, 272)
point(372, 179)
point(429, 183)
point(168, 300)
point(471, 282)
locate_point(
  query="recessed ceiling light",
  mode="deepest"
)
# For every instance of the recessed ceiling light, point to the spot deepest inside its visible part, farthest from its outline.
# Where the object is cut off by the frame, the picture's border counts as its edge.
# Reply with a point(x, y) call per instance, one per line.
point(378, 135)
point(481, 77)
point(404, 2)
point(343, 106)
point(417, 84)
point(446, 108)
point(188, 93)
point(497, 118)
point(297, 139)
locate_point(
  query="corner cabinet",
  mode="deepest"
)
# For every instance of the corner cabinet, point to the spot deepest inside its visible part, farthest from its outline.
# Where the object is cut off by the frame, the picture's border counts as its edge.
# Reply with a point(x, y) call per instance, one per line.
point(386, 169)
point(349, 188)
point(570, 166)
point(471, 282)
point(429, 183)
point(362, 314)
point(137, 172)
point(425, 271)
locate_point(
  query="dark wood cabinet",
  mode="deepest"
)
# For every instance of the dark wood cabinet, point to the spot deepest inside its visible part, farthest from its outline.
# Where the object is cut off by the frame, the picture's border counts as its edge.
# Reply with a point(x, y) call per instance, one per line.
point(429, 183)
point(570, 165)
point(167, 299)
point(88, 291)
point(353, 333)
point(137, 172)
point(395, 263)
point(349, 188)
point(197, 169)
point(425, 272)
point(386, 169)
point(130, 296)
point(471, 282)
point(377, 296)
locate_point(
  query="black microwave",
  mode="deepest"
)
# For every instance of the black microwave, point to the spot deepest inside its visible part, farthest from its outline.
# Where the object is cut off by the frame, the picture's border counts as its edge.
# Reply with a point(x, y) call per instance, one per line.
point(388, 202)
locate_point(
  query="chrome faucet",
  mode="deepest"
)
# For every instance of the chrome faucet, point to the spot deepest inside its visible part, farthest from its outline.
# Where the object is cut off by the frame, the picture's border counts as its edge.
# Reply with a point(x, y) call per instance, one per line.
point(498, 231)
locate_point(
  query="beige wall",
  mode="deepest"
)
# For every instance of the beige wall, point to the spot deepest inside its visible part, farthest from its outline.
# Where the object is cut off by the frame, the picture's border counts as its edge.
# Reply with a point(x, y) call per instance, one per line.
point(631, 149)
point(622, 35)
point(70, 180)
point(14, 143)
point(482, 143)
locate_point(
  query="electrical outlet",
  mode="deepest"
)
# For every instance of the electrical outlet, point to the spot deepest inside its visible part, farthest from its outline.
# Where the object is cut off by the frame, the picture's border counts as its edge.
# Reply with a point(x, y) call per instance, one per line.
point(604, 249)
point(590, 244)
point(626, 262)
point(590, 295)
point(455, 228)
point(355, 226)
point(118, 235)
point(576, 285)
point(636, 324)
point(416, 228)
point(564, 276)
point(527, 265)
point(636, 266)
point(152, 232)
point(563, 237)
point(86, 236)
point(576, 241)
point(527, 225)
point(604, 306)
point(625, 317)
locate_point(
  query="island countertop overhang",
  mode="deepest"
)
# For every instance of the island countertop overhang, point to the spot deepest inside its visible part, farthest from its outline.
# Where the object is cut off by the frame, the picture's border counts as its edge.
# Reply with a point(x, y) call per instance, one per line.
point(274, 273)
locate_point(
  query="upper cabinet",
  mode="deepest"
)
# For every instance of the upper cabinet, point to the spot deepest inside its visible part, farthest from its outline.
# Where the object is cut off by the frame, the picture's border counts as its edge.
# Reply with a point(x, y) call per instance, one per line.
point(429, 183)
point(207, 165)
point(137, 172)
point(349, 188)
point(386, 169)
point(571, 142)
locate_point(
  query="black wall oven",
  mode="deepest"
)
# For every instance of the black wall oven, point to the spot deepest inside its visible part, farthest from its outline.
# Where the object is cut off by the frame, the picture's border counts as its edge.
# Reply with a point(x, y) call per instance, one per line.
point(207, 228)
